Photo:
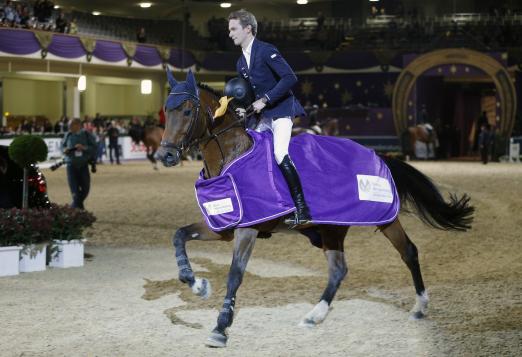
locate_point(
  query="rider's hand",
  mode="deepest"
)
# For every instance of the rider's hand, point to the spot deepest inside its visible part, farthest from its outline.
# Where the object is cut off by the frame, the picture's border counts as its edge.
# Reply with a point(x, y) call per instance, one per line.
point(259, 105)
point(241, 113)
point(79, 147)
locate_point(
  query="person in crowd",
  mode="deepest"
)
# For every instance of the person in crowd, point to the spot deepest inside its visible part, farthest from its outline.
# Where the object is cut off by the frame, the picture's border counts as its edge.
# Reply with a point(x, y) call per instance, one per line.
point(73, 27)
point(113, 133)
point(271, 79)
point(61, 23)
point(141, 35)
point(484, 142)
point(79, 147)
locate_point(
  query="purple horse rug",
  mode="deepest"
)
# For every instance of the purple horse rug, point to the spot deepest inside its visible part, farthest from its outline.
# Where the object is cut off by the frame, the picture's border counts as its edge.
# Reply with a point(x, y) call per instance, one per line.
point(344, 183)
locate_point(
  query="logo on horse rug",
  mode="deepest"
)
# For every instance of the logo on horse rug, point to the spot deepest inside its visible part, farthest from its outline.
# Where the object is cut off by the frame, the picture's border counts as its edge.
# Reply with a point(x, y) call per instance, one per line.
point(344, 183)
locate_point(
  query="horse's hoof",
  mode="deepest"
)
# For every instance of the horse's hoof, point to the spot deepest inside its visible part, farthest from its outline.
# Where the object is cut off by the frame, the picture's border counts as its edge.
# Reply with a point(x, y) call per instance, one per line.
point(316, 316)
point(417, 315)
point(202, 288)
point(217, 340)
point(307, 323)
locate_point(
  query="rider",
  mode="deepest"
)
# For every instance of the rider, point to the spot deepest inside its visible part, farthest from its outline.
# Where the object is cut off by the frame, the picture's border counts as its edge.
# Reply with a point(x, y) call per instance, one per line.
point(271, 79)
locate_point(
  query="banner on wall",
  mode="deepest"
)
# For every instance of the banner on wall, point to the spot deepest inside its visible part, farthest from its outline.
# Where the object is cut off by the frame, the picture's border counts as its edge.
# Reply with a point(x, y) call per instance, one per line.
point(129, 150)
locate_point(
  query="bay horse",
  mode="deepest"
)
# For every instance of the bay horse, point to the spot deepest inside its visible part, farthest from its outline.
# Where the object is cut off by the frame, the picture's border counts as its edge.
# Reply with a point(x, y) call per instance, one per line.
point(221, 140)
point(328, 127)
point(423, 133)
point(150, 136)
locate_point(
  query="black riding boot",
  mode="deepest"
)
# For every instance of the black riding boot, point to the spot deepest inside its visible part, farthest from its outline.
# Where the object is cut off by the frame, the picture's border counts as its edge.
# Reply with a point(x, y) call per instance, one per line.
point(302, 214)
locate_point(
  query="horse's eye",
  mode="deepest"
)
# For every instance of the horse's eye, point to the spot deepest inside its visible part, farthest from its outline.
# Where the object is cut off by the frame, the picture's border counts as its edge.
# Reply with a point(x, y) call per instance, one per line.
point(187, 112)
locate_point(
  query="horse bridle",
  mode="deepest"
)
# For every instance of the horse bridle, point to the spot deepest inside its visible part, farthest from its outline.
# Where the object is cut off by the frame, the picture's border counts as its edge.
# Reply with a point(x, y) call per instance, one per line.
point(189, 142)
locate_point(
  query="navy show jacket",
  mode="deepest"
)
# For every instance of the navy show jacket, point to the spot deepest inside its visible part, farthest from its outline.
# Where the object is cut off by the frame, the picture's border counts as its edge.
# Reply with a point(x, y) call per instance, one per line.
point(271, 77)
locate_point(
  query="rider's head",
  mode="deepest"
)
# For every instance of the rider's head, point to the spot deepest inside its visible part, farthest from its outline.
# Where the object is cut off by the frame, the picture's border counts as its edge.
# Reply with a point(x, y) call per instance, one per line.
point(242, 27)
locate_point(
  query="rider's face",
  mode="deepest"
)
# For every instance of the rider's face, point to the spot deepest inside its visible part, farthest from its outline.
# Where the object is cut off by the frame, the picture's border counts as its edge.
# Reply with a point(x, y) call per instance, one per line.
point(237, 33)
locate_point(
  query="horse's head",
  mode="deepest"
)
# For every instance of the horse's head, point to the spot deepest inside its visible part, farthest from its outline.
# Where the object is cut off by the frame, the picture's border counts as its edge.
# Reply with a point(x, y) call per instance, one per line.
point(182, 124)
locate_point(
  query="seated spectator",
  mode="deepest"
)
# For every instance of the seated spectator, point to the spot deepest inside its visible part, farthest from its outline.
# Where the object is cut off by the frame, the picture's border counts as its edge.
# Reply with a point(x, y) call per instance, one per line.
point(141, 36)
point(73, 27)
point(61, 23)
point(9, 13)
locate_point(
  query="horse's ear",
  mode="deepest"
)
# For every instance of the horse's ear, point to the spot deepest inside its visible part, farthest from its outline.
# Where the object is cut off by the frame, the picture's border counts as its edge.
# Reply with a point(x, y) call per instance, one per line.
point(192, 86)
point(170, 77)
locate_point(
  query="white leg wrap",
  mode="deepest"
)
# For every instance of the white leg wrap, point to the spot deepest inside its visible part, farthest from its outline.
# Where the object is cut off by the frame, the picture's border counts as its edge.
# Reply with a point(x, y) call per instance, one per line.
point(202, 288)
point(420, 309)
point(316, 315)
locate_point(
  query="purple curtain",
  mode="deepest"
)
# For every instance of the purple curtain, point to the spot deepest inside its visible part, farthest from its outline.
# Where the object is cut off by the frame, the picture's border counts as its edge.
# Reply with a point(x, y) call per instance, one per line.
point(109, 51)
point(147, 56)
point(66, 46)
point(18, 42)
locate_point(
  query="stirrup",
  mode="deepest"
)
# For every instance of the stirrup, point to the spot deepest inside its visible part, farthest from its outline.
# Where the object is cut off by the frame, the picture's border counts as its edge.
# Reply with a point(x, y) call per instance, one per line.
point(294, 222)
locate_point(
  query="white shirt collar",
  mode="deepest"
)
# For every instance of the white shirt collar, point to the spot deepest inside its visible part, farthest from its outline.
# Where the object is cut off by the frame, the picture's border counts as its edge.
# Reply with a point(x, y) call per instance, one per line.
point(248, 51)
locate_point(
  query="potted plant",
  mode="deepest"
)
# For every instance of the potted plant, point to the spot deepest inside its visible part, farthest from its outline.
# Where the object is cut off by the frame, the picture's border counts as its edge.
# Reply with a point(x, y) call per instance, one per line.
point(67, 245)
point(9, 246)
point(27, 150)
point(29, 230)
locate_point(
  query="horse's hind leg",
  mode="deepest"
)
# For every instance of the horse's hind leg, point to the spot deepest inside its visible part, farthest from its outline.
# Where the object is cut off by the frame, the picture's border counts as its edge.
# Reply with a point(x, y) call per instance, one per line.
point(408, 251)
point(196, 231)
point(333, 247)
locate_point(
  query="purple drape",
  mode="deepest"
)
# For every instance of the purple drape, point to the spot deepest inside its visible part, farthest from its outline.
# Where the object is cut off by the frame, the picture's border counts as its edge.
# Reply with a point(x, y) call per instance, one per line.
point(147, 56)
point(109, 51)
point(66, 46)
point(18, 42)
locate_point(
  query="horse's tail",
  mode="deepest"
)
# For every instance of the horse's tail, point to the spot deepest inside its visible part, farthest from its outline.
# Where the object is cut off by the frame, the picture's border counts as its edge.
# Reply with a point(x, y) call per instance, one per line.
point(419, 192)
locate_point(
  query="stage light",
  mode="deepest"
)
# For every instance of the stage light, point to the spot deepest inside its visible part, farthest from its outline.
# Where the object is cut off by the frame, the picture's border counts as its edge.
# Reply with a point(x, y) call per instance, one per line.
point(225, 5)
point(145, 5)
point(82, 83)
point(146, 86)
point(57, 6)
point(302, 2)
point(96, 13)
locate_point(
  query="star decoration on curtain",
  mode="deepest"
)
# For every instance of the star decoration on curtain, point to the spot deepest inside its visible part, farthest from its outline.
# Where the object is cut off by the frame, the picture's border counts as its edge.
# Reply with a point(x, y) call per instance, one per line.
point(346, 97)
point(388, 89)
point(306, 88)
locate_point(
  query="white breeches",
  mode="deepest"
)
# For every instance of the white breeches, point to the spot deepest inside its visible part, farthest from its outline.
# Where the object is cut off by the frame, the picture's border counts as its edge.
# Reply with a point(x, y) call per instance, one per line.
point(282, 131)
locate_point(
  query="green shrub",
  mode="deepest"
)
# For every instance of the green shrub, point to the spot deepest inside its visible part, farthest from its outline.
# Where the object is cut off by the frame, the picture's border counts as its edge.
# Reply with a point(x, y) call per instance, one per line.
point(28, 149)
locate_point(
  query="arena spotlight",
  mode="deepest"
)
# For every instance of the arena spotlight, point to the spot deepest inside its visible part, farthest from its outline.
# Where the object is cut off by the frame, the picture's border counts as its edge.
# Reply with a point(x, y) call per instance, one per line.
point(96, 13)
point(145, 5)
point(302, 2)
point(82, 83)
point(57, 6)
point(225, 5)
point(146, 86)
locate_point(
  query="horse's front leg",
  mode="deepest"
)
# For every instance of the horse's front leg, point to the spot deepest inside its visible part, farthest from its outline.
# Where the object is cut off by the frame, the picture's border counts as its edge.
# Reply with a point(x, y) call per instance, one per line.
point(196, 231)
point(245, 239)
point(333, 246)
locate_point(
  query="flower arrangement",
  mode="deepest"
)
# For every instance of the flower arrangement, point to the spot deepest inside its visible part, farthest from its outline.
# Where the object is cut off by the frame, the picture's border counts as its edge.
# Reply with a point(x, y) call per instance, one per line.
point(24, 226)
point(40, 225)
point(69, 223)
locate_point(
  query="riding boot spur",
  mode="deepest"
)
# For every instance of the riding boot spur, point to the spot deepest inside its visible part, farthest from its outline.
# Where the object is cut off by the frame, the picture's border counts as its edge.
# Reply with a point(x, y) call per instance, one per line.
point(302, 214)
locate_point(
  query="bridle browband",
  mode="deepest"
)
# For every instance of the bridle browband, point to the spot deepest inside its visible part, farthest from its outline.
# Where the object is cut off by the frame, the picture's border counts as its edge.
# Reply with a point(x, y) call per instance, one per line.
point(188, 140)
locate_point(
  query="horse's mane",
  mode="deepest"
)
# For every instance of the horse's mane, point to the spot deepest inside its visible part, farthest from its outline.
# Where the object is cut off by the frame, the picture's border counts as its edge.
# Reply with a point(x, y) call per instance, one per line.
point(218, 95)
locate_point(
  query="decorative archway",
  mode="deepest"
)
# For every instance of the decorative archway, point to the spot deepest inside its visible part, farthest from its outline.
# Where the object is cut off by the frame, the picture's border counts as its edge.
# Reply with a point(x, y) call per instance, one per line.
point(499, 75)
